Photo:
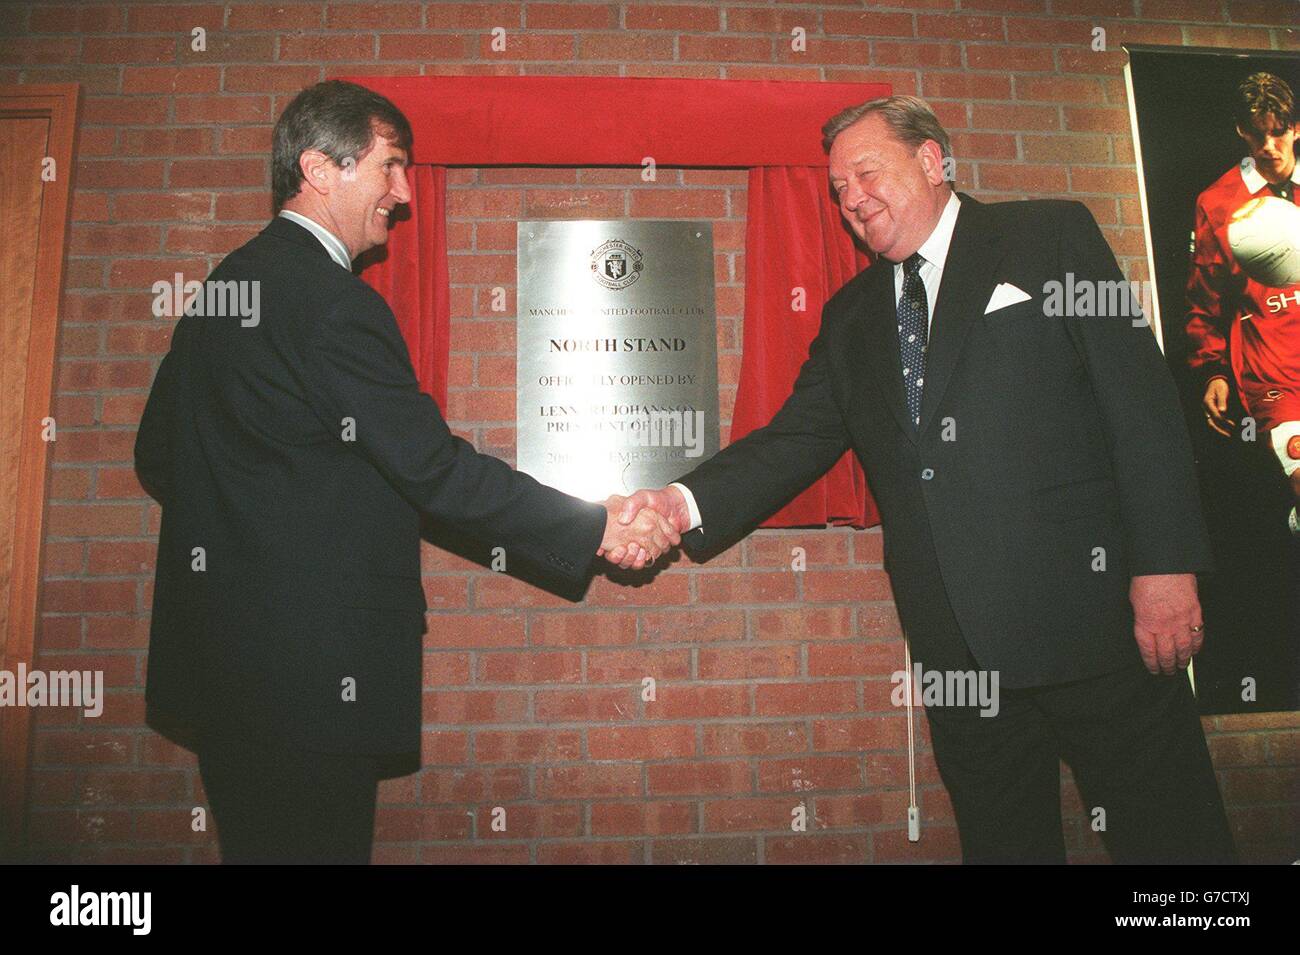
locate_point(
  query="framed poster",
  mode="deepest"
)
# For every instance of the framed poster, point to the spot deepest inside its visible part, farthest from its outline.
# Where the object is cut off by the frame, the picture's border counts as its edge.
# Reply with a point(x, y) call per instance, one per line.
point(1215, 138)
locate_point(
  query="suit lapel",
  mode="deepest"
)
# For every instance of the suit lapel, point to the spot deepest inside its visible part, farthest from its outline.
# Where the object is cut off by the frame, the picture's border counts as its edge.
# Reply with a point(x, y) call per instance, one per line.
point(969, 276)
point(875, 348)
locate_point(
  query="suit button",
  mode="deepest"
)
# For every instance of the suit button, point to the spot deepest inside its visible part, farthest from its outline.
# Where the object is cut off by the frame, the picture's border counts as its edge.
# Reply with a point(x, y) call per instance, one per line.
point(927, 474)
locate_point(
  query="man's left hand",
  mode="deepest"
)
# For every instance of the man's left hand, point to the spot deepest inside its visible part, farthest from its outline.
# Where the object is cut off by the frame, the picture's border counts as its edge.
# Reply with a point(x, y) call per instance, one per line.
point(1166, 620)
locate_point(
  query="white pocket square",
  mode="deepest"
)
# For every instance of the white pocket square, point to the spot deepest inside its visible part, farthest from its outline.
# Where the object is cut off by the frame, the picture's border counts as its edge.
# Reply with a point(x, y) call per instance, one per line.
point(1005, 294)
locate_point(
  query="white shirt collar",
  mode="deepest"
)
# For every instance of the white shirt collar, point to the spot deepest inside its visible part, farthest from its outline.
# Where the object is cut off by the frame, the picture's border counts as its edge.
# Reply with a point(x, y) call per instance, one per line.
point(935, 249)
point(333, 244)
point(1254, 181)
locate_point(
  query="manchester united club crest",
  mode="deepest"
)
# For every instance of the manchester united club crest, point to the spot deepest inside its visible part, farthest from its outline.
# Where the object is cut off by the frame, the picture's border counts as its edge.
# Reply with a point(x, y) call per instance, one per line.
point(615, 264)
point(1293, 448)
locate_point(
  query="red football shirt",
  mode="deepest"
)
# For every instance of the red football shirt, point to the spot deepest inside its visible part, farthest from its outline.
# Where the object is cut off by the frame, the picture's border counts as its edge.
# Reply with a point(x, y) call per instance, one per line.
point(1236, 325)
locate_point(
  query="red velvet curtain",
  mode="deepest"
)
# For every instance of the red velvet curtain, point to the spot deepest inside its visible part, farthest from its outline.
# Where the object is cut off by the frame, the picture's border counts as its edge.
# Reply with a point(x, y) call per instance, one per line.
point(411, 275)
point(794, 237)
point(794, 240)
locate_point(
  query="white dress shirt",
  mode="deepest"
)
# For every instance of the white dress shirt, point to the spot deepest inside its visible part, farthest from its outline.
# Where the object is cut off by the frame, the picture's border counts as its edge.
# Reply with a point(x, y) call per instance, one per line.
point(935, 252)
point(333, 244)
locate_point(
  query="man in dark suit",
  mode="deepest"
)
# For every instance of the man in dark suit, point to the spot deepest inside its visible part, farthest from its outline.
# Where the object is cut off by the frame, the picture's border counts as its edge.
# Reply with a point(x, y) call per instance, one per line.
point(1037, 499)
point(294, 454)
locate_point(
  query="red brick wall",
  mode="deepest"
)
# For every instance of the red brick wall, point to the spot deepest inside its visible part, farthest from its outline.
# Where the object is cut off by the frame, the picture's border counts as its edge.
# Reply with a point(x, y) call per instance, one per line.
point(773, 685)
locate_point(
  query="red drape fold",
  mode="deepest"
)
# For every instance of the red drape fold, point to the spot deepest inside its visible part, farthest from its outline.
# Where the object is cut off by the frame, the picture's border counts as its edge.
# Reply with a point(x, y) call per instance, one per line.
point(412, 277)
point(616, 120)
point(795, 244)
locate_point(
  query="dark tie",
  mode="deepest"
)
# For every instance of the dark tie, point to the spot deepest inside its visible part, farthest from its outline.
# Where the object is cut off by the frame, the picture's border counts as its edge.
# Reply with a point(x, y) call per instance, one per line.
point(1283, 190)
point(913, 325)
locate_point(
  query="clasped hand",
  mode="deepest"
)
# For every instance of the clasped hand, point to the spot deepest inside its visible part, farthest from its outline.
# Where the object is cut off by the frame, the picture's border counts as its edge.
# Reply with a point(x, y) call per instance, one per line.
point(640, 527)
point(635, 535)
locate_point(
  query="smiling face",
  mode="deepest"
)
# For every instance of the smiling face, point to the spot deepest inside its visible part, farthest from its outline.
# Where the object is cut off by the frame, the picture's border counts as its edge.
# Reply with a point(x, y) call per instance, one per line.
point(354, 200)
point(364, 195)
point(1272, 146)
point(890, 194)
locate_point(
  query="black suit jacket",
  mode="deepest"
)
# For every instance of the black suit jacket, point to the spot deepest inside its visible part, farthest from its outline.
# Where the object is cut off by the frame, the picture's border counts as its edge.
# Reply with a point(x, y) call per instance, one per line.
point(1047, 446)
point(299, 454)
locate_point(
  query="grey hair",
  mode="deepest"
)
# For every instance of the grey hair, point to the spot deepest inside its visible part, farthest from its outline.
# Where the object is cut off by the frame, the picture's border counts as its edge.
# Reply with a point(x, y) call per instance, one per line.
point(910, 118)
point(336, 117)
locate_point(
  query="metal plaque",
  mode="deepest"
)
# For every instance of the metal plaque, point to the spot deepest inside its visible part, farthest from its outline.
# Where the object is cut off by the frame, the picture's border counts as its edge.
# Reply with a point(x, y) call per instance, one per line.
point(618, 353)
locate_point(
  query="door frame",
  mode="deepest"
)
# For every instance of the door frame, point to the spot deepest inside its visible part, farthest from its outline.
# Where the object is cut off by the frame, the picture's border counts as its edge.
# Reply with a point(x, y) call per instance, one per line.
point(58, 103)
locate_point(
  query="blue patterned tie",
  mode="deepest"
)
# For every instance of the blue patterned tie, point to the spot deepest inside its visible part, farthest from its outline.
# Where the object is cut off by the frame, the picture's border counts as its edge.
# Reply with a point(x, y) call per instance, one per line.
point(913, 326)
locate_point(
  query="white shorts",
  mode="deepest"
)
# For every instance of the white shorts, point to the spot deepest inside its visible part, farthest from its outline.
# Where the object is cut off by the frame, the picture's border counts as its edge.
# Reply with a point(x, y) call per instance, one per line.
point(1282, 435)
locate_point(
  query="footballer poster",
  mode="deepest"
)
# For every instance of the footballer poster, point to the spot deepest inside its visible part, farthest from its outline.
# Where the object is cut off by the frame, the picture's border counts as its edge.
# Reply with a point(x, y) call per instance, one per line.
point(1215, 133)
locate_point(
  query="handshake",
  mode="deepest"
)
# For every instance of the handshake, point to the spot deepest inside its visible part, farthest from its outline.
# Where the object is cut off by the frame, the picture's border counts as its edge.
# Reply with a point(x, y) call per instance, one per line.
point(641, 528)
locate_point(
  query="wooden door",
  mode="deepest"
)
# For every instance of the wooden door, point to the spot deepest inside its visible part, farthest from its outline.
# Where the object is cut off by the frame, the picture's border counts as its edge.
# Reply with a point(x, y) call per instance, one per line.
point(37, 125)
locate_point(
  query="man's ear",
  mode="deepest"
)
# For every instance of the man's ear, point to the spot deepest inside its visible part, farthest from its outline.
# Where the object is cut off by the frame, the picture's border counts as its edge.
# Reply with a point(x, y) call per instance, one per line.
point(318, 170)
point(931, 161)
